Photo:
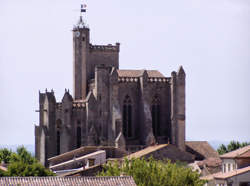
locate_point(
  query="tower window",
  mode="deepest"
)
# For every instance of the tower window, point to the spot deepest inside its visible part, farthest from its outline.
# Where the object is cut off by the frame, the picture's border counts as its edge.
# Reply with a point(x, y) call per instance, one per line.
point(127, 117)
point(155, 112)
point(78, 136)
point(83, 38)
point(58, 136)
point(58, 141)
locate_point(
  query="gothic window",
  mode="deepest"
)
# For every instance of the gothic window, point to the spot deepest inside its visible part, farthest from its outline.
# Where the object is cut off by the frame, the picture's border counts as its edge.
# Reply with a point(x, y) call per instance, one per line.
point(78, 135)
point(127, 117)
point(155, 111)
point(58, 135)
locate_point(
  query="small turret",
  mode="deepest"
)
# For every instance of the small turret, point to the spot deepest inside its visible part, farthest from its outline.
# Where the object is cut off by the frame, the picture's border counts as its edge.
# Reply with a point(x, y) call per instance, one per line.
point(178, 108)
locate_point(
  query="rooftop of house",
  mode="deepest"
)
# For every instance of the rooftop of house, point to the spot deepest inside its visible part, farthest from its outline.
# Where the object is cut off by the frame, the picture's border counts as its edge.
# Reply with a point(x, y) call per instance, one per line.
point(83, 181)
point(210, 162)
point(138, 73)
point(146, 151)
point(163, 152)
point(110, 151)
point(202, 148)
point(243, 152)
point(79, 159)
point(221, 175)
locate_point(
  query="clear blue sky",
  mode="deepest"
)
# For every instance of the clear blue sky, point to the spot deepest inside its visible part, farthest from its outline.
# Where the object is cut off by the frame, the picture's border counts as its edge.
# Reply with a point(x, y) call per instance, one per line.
point(210, 38)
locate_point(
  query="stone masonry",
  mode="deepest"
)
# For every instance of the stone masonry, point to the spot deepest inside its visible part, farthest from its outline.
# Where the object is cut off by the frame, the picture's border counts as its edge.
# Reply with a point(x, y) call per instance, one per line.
point(129, 109)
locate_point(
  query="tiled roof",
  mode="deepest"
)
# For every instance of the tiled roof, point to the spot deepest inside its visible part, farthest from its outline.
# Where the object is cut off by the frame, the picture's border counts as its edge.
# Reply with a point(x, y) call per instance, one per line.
point(210, 162)
point(110, 150)
point(242, 152)
point(146, 151)
point(163, 151)
point(203, 148)
point(68, 181)
point(138, 73)
point(229, 174)
point(225, 175)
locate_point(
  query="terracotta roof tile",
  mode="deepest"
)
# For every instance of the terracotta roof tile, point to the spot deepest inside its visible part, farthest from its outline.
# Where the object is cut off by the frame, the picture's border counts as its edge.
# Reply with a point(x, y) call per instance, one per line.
point(242, 152)
point(68, 181)
point(210, 162)
point(146, 151)
point(138, 73)
point(235, 172)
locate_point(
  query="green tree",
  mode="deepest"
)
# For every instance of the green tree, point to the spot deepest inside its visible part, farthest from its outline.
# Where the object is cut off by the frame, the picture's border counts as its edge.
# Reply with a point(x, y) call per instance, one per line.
point(233, 145)
point(5, 155)
point(153, 173)
point(22, 163)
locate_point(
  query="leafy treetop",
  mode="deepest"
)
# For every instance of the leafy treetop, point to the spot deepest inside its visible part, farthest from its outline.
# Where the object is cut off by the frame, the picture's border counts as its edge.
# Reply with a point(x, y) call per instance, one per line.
point(233, 145)
point(153, 173)
point(22, 163)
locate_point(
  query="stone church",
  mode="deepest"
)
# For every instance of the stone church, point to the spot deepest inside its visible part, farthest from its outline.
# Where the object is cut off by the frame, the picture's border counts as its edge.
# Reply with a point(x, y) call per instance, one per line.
point(129, 109)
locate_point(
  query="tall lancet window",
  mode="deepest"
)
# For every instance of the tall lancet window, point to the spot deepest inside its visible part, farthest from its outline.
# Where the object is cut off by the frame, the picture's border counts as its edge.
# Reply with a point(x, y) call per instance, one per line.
point(156, 111)
point(127, 117)
point(78, 134)
point(58, 135)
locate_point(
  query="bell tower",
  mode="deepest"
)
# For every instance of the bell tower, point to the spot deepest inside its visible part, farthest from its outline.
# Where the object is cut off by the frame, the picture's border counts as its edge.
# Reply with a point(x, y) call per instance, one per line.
point(80, 57)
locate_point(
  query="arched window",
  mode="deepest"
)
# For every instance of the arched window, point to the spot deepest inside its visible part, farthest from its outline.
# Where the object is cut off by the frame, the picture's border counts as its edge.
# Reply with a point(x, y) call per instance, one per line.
point(78, 134)
point(127, 117)
point(155, 111)
point(58, 135)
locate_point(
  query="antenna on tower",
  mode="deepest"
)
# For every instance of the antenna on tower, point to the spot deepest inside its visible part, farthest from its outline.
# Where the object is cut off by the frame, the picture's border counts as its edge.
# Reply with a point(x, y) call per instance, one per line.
point(82, 10)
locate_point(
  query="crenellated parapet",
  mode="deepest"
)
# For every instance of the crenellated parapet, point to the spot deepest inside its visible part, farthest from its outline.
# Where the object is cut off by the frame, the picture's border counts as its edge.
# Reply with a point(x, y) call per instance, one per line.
point(159, 80)
point(149, 80)
point(79, 105)
point(128, 79)
point(109, 47)
point(76, 105)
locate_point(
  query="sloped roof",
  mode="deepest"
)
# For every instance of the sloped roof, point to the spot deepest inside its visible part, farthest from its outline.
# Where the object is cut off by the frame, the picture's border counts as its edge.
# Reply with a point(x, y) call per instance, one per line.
point(163, 151)
point(110, 150)
point(138, 73)
point(241, 152)
point(210, 162)
point(225, 175)
point(68, 181)
point(146, 151)
point(229, 174)
point(203, 148)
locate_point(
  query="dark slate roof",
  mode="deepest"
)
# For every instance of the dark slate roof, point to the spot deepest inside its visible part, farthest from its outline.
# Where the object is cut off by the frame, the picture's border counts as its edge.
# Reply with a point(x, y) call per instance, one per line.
point(201, 148)
point(138, 73)
point(243, 152)
point(68, 181)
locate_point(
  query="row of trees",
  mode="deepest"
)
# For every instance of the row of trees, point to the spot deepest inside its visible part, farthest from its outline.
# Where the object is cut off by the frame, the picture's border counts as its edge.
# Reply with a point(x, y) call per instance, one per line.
point(154, 172)
point(22, 163)
point(233, 145)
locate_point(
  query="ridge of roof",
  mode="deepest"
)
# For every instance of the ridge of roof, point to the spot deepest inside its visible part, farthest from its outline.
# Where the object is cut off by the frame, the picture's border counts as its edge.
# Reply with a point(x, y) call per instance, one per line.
point(229, 174)
point(236, 153)
point(146, 151)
